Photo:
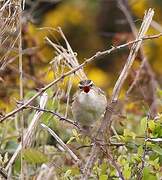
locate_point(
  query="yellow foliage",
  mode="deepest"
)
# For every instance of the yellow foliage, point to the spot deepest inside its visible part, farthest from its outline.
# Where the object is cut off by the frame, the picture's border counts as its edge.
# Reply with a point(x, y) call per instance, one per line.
point(31, 29)
point(130, 106)
point(99, 77)
point(70, 14)
point(138, 7)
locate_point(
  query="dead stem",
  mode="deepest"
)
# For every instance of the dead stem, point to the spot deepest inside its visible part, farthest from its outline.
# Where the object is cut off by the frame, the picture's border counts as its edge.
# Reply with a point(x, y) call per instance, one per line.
point(89, 60)
point(59, 140)
point(106, 122)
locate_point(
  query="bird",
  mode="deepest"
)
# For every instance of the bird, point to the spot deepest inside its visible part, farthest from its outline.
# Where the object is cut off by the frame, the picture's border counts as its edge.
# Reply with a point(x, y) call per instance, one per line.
point(89, 103)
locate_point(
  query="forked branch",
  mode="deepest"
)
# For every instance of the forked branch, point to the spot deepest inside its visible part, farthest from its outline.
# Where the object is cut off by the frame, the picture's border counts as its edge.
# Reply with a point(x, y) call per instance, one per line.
point(106, 122)
point(98, 55)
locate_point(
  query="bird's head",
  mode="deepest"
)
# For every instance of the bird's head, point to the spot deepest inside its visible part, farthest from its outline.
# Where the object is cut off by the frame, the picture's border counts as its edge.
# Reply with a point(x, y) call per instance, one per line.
point(85, 85)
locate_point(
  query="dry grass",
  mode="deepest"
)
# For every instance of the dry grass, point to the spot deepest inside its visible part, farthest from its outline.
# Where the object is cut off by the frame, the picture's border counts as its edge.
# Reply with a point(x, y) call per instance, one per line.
point(64, 65)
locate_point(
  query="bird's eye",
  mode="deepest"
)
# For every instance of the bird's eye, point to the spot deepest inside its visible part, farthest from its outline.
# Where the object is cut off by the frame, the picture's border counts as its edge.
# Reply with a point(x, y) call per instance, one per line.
point(91, 85)
point(80, 87)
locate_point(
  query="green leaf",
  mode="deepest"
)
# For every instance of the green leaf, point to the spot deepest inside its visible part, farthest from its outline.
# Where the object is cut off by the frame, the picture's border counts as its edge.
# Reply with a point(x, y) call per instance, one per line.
point(159, 92)
point(143, 123)
point(140, 150)
point(147, 175)
point(127, 171)
point(11, 146)
point(75, 132)
point(34, 156)
point(157, 149)
point(103, 177)
point(103, 168)
point(151, 125)
point(67, 173)
point(75, 171)
point(30, 94)
point(17, 165)
point(155, 163)
point(70, 140)
point(128, 133)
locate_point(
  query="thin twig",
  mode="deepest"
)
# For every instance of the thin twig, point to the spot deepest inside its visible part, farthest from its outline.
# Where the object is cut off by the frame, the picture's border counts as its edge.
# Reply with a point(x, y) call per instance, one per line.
point(145, 64)
point(21, 82)
point(113, 162)
point(12, 59)
point(23, 4)
point(29, 134)
point(156, 25)
point(140, 175)
point(94, 57)
point(26, 75)
point(158, 140)
point(106, 122)
point(3, 173)
point(59, 140)
point(105, 144)
point(60, 117)
point(134, 49)
point(68, 55)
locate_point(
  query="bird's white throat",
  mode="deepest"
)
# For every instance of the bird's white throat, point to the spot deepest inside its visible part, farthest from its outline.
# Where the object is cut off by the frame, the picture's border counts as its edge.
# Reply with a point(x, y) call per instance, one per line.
point(89, 107)
point(90, 100)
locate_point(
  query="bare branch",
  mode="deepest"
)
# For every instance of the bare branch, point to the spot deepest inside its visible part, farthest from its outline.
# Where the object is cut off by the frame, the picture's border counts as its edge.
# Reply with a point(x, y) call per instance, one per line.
point(21, 88)
point(134, 49)
point(145, 64)
point(89, 60)
point(3, 173)
point(154, 139)
point(65, 147)
point(113, 162)
point(106, 122)
point(59, 116)
point(140, 175)
point(156, 25)
point(29, 134)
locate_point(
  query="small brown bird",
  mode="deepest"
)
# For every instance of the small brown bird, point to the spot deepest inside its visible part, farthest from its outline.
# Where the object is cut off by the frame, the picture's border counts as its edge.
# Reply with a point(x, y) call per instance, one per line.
point(89, 103)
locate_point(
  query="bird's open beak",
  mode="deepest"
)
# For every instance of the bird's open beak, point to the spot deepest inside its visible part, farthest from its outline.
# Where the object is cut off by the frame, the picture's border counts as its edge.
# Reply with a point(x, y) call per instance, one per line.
point(86, 89)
